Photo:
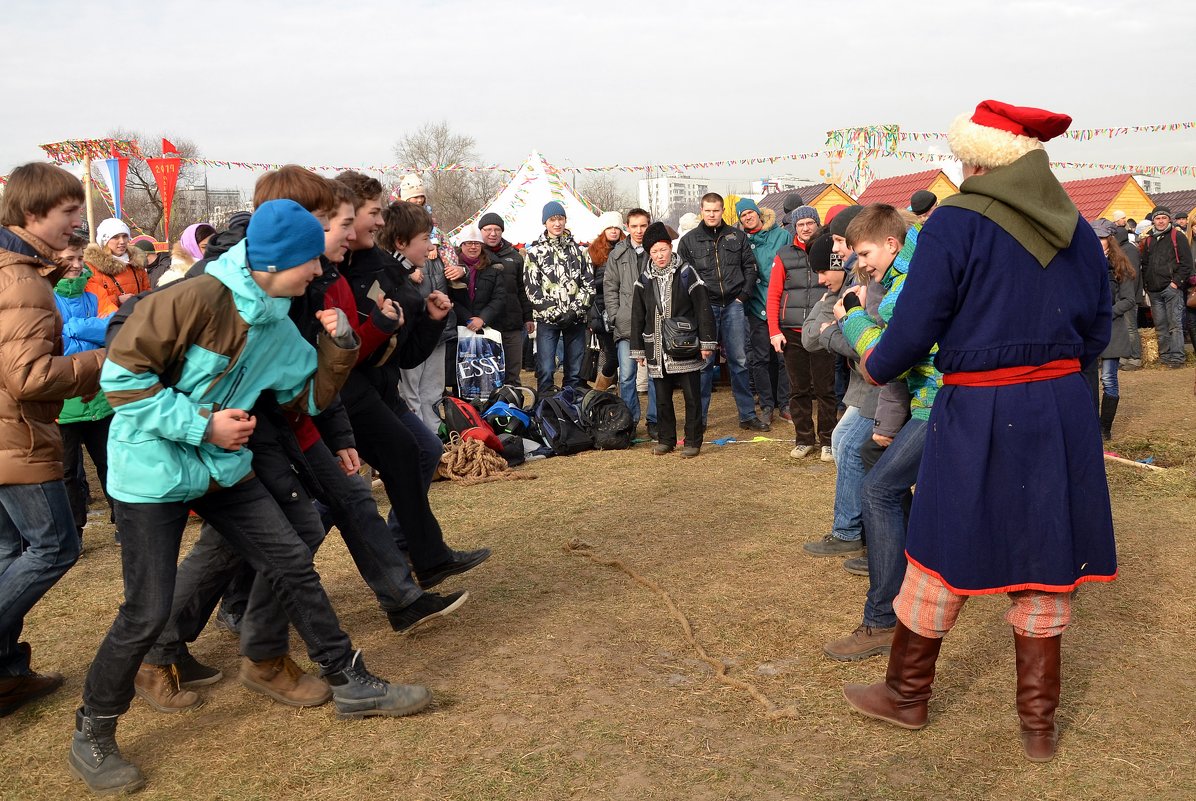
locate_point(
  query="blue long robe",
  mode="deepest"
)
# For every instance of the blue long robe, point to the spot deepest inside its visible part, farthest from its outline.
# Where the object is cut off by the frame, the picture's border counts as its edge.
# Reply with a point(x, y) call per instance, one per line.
point(1012, 492)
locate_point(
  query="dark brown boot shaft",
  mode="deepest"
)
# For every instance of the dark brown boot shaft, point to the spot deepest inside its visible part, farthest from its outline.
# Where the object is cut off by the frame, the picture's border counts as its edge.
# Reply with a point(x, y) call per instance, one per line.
point(902, 699)
point(1038, 694)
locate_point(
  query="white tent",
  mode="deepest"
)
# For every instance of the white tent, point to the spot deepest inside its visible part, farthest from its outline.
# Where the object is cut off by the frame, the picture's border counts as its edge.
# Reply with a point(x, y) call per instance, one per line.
point(522, 200)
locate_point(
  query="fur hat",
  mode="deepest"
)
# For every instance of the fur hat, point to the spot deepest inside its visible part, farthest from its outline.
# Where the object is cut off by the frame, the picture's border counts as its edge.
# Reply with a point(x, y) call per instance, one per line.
point(411, 186)
point(281, 235)
point(922, 201)
point(656, 233)
point(552, 208)
point(109, 229)
point(998, 134)
point(492, 218)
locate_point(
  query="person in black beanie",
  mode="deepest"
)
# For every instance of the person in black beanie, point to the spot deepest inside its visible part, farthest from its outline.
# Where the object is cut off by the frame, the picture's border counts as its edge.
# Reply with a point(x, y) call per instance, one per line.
point(670, 288)
point(922, 203)
point(515, 322)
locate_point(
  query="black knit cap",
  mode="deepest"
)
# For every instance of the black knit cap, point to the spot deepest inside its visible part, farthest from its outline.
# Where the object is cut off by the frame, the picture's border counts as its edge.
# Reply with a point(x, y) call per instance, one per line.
point(490, 218)
point(792, 202)
point(922, 201)
point(1160, 210)
point(657, 232)
point(838, 226)
point(819, 251)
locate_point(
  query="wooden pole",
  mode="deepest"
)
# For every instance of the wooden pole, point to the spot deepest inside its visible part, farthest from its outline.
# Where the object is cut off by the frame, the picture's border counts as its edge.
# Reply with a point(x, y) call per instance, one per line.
point(91, 215)
point(1132, 463)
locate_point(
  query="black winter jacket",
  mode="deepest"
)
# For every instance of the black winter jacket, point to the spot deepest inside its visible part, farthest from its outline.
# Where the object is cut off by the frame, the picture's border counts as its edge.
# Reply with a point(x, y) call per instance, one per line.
point(489, 296)
point(517, 310)
point(724, 260)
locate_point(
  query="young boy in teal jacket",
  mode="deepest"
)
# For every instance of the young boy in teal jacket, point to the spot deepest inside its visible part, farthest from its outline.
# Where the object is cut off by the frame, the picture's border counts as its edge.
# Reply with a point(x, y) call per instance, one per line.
point(180, 374)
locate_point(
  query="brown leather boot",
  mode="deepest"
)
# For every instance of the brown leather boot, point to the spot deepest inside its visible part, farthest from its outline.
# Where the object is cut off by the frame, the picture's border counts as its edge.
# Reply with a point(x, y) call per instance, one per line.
point(605, 382)
point(158, 686)
point(901, 699)
point(284, 681)
point(1038, 694)
point(16, 691)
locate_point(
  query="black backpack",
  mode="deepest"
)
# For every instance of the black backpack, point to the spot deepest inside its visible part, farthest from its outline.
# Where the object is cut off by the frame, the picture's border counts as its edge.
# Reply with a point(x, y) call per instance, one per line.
point(558, 418)
point(609, 420)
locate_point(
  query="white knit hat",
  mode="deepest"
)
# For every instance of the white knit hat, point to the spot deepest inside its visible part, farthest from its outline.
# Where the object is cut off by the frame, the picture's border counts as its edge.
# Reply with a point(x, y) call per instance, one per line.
point(110, 228)
point(411, 186)
point(687, 223)
point(609, 219)
point(469, 233)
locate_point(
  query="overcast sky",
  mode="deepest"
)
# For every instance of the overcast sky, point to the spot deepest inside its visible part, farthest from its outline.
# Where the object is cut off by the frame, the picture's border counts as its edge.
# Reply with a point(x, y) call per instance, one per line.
point(591, 83)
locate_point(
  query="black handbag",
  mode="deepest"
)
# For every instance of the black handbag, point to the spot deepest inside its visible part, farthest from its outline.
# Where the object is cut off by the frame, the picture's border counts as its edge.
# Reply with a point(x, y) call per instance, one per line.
point(678, 335)
point(589, 358)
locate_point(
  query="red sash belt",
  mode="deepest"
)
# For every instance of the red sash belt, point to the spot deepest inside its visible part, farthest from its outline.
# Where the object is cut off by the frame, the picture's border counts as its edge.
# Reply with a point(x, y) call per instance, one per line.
point(1004, 376)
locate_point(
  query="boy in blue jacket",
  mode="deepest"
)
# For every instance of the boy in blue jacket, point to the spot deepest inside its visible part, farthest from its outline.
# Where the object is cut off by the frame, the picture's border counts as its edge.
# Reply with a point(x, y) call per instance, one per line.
point(180, 373)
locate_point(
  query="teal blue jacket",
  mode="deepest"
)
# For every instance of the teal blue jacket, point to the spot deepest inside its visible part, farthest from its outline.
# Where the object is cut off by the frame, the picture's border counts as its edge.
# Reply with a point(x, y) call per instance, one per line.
point(765, 245)
point(197, 346)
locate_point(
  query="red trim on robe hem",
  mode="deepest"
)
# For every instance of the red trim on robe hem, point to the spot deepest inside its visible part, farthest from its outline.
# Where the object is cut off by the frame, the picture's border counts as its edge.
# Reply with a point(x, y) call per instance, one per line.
point(1005, 376)
point(1011, 587)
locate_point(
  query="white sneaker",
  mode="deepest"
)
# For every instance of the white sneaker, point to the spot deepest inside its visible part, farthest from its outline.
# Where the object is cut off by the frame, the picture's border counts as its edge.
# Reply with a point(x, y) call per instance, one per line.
point(827, 456)
point(801, 451)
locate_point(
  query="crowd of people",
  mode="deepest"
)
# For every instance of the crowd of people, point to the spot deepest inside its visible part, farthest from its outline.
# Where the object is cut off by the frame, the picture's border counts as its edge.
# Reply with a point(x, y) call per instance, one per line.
point(955, 345)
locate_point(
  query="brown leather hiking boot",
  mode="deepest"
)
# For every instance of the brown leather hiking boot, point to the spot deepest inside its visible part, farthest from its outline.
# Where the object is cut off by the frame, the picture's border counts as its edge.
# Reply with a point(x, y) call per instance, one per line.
point(284, 681)
point(901, 699)
point(16, 691)
point(158, 686)
point(1038, 694)
point(862, 643)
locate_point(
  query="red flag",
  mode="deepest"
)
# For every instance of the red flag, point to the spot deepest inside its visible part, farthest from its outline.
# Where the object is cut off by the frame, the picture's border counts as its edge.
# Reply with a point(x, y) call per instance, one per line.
point(166, 174)
point(167, 147)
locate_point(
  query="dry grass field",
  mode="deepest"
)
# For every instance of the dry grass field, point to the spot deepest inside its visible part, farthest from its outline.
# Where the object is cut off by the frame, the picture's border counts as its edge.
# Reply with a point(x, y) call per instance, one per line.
point(565, 679)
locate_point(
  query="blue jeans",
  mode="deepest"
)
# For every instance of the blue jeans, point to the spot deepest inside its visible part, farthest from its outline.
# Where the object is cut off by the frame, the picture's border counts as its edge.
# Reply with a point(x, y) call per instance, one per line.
point(1167, 308)
point(884, 489)
point(547, 338)
point(770, 379)
point(1108, 376)
point(852, 431)
point(628, 370)
point(151, 533)
point(731, 328)
point(40, 515)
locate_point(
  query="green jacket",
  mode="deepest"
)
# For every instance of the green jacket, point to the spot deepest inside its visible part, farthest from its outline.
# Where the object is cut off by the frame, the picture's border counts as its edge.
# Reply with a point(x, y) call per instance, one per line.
point(208, 343)
point(765, 245)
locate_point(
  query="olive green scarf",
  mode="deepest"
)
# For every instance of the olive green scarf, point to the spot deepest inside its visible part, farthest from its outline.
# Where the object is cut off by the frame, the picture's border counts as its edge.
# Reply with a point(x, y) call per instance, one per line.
point(1027, 201)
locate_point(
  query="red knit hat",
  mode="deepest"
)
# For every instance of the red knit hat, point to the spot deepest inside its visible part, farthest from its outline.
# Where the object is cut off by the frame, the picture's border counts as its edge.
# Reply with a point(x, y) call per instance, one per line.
point(997, 134)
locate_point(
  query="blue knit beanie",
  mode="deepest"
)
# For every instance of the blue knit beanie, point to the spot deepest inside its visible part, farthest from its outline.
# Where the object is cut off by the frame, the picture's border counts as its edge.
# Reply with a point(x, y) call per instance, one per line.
point(552, 208)
point(806, 213)
point(745, 204)
point(281, 235)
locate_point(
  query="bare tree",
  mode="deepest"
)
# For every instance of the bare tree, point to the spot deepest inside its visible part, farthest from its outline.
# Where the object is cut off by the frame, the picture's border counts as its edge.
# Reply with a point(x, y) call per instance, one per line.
point(454, 195)
point(604, 191)
point(141, 203)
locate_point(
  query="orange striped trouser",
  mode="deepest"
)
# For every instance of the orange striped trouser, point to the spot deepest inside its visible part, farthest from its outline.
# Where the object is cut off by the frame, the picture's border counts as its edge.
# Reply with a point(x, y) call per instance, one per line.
point(928, 608)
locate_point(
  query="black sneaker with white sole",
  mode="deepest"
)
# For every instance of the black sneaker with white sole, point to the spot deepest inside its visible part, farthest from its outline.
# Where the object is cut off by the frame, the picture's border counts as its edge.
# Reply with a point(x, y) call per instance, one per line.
point(426, 609)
